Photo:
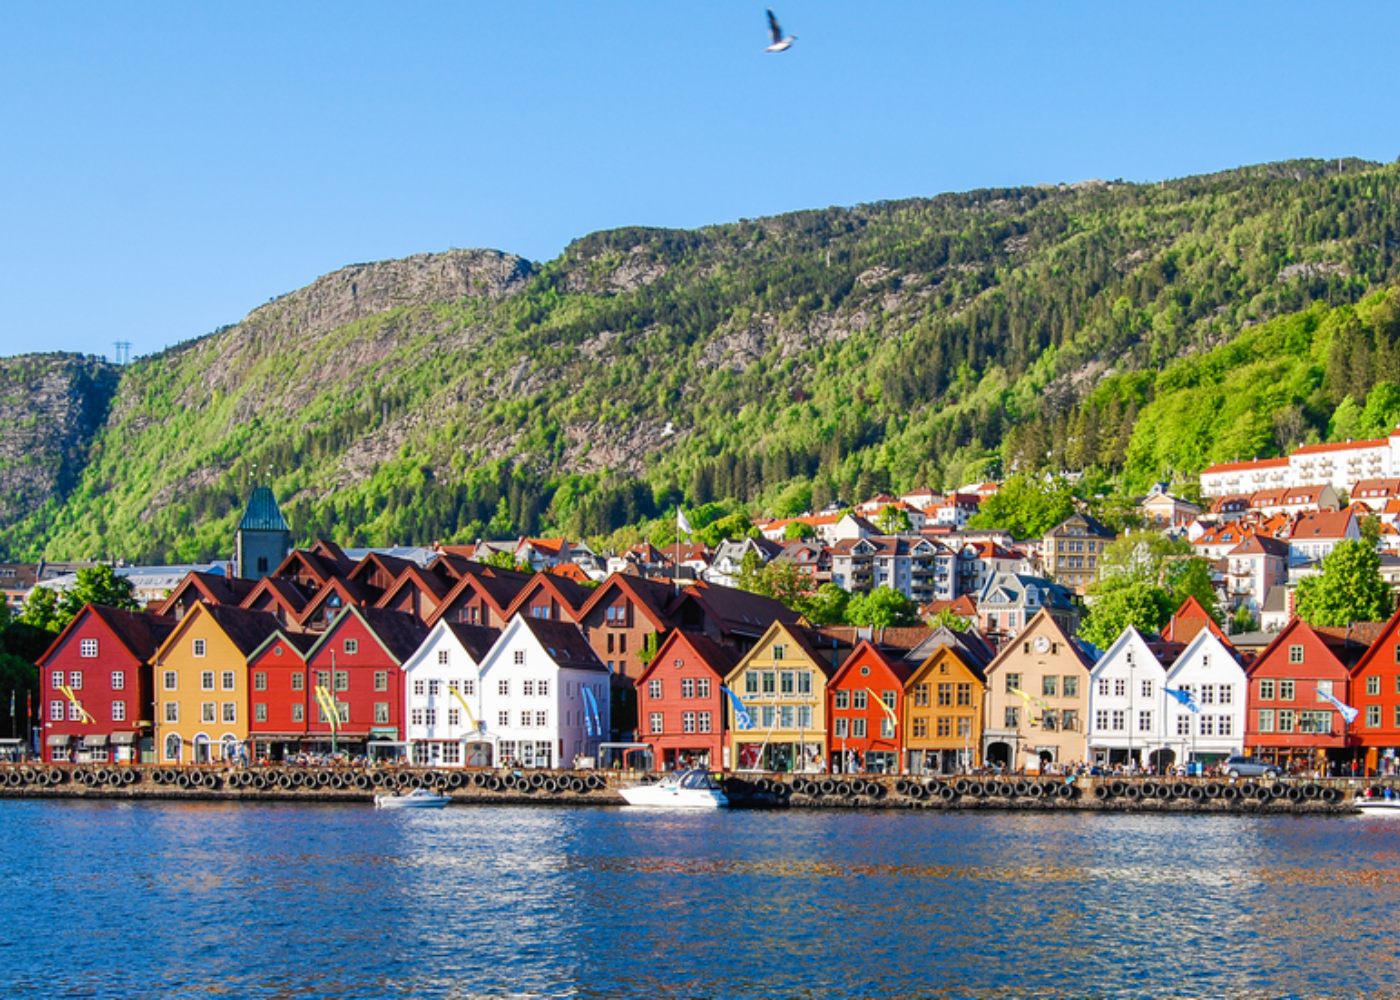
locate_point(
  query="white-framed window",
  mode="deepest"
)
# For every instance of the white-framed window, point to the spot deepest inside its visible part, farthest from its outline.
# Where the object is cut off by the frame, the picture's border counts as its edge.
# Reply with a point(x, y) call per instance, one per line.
point(172, 711)
point(503, 688)
point(56, 710)
point(857, 728)
point(527, 689)
point(454, 716)
point(1295, 654)
point(381, 680)
point(527, 719)
point(208, 711)
point(702, 687)
point(434, 688)
point(442, 657)
point(1101, 716)
point(260, 712)
point(654, 689)
point(56, 679)
point(199, 647)
point(118, 680)
point(1227, 694)
point(342, 680)
point(842, 728)
point(259, 680)
point(381, 713)
point(75, 680)
point(1183, 725)
point(430, 716)
point(541, 719)
point(206, 680)
point(230, 711)
point(420, 688)
point(1103, 687)
point(688, 689)
point(1120, 687)
point(75, 712)
point(503, 719)
point(416, 716)
point(118, 711)
point(452, 753)
point(687, 722)
point(352, 646)
point(1144, 722)
point(1225, 725)
point(226, 681)
point(469, 688)
point(1147, 689)
point(342, 709)
point(705, 722)
point(518, 657)
point(298, 712)
point(656, 728)
point(298, 681)
point(1118, 720)
point(542, 688)
point(87, 649)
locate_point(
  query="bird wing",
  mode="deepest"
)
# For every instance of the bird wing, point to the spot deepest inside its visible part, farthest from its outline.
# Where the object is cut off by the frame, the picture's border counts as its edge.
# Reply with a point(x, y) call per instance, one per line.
point(773, 27)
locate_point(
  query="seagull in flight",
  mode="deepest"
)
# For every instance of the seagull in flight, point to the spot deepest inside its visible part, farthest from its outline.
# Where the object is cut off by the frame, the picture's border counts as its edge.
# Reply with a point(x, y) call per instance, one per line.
point(780, 43)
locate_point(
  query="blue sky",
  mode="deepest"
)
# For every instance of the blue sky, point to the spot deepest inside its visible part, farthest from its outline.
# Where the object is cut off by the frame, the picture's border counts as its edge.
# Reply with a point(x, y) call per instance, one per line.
point(166, 167)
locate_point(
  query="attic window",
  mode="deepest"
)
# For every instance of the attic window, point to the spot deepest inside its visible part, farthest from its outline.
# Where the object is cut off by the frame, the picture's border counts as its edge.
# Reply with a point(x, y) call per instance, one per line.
point(778, 651)
point(352, 646)
point(678, 663)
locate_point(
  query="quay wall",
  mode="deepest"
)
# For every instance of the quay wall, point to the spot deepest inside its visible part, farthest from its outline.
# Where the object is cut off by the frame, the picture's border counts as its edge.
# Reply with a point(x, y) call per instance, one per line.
point(774, 791)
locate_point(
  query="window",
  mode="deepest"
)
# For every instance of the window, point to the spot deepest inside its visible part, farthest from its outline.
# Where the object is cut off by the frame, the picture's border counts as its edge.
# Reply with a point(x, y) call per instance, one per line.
point(945, 695)
point(1286, 690)
point(654, 689)
point(687, 722)
point(1323, 687)
point(702, 687)
point(770, 682)
point(87, 649)
point(199, 647)
point(343, 710)
point(416, 716)
point(859, 699)
point(118, 711)
point(1226, 694)
point(1144, 722)
point(842, 729)
point(886, 727)
point(687, 687)
point(778, 651)
point(921, 695)
point(1013, 681)
point(259, 712)
point(705, 722)
point(172, 711)
point(442, 657)
point(920, 728)
point(56, 679)
point(298, 682)
point(1266, 720)
point(259, 681)
point(75, 680)
point(430, 716)
point(943, 726)
point(858, 728)
point(1069, 686)
point(655, 724)
point(230, 711)
point(1101, 719)
point(342, 680)
point(1120, 687)
point(1147, 689)
point(1373, 686)
point(1049, 685)
point(1207, 725)
point(503, 688)
point(542, 688)
point(469, 688)
point(420, 688)
point(1183, 725)
point(1118, 720)
point(298, 712)
point(503, 719)
point(352, 646)
point(208, 711)
point(541, 719)
point(75, 713)
point(804, 682)
point(518, 657)
point(1012, 718)
point(527, 689)
point(1285, 720)
point(751, 682)
point(226, 681)
point(1207, 694)
point(1295, 654)
point(118, 680)
point(381, 680)
point(804, 716)
point(1266, 690)
point(1317, 723)
point(206, 680)
point(1050, 720)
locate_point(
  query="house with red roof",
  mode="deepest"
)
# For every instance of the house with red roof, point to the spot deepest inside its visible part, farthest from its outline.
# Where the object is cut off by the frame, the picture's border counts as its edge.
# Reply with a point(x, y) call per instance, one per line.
point(1230, 478)
point(95, 686)
point(1315, 535)
point(1292, 501)
point(550, 597)
point(680, 704)
point(1253, 568)
point(1189, 619)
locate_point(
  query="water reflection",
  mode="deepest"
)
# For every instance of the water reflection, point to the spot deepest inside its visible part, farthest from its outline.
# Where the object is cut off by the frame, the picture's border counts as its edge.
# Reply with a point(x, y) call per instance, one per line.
point(334, 901)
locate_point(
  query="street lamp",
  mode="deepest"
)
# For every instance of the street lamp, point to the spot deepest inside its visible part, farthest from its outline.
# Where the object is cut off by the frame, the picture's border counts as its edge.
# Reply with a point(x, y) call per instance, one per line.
point(1131, 705)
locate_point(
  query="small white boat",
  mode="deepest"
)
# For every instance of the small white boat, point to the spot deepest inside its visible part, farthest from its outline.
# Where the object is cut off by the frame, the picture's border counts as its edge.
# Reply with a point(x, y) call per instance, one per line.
point(419, 798)
point(695, 789)
point(1379, 807)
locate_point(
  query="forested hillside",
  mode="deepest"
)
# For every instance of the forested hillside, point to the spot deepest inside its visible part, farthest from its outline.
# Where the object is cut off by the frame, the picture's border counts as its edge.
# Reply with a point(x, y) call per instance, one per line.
point(1131, 331)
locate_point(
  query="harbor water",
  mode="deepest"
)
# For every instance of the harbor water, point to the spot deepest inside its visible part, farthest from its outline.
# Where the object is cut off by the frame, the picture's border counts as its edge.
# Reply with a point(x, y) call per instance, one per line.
point(109, 898)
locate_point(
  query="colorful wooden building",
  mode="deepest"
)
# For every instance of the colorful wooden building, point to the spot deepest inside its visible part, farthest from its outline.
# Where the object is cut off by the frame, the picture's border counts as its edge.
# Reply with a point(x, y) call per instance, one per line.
point(1375, 693)
point(680, 703)
point(280, 696)
point(943, 705)
point(443, 698)
point(864, 703)
point(95, 686)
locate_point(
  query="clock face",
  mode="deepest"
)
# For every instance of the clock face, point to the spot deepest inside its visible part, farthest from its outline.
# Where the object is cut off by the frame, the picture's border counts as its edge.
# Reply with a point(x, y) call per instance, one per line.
point(1041, 644)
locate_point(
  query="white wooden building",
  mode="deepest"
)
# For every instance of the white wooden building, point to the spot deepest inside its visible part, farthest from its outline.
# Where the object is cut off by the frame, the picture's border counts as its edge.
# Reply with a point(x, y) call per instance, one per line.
point(442, 696)
point(1126, 704)
point(1210, 670)
point(544, 695)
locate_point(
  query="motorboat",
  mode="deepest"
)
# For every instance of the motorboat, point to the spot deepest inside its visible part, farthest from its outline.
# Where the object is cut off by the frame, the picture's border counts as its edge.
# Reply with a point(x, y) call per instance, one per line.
point(419, 798)
point(1378, 806)
point(694, 789)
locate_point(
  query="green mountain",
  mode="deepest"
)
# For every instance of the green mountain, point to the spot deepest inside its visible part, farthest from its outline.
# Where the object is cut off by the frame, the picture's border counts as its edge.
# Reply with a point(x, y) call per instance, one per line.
point(1130, 331)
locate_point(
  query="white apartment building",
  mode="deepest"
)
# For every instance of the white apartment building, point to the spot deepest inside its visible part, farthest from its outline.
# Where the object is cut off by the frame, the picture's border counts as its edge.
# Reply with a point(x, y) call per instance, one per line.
point(1341, 465)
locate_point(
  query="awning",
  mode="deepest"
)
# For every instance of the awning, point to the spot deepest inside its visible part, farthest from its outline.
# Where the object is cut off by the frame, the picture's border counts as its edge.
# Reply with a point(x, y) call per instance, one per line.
point(94, 741)
point(378, 732)
point(58, 741)
point(123, 739)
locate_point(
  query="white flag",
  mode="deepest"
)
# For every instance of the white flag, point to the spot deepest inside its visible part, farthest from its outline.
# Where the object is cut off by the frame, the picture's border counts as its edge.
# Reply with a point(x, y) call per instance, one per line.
point(681, 523)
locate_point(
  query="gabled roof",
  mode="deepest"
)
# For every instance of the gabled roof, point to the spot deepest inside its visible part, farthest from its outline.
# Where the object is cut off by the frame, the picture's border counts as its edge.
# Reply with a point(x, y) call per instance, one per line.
point(302, 642)
point(398, 634)
point(897, 665)
point(475, 639)
point(564, 642)
point(1189, 619)
point(414, 576)
point(720, 659)
point(351, 593)
point(286, 593)
point(655, 598)
point(319, 567)
point(263, 514)
point(332, 554)
point(1322, 524)
point(1260, 545)
point(964, 606)
point(140, 632)
point(737, 611)
point(894, 639)
point(1042, 618)
point(569, 594)
point(1164, 654)
point(1284, 636)
point(212, 588)
point(245, 629)
point(825, 652)
point(392, 565)
point(570, 571)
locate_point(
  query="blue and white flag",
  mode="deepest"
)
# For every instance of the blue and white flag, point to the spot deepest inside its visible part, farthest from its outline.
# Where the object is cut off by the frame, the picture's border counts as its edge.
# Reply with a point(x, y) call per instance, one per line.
point(1347, 711)
point(592, 722)
point(1185, 698)
point(742, 718)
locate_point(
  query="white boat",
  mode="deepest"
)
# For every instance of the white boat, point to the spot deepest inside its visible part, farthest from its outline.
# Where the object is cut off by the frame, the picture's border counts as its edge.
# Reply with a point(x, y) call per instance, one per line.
point(695, 789)
point(419, 798)
point(1379, 807)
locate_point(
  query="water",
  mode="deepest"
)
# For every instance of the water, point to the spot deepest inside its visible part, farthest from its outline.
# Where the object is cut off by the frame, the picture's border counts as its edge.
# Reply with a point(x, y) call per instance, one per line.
point(293, 901)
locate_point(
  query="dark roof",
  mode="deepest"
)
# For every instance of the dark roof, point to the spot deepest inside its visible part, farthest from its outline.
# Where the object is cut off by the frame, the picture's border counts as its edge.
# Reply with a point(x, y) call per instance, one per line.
point(739, 611)
point(263, 514)
point(288, 590)
point(477, 639)
point(898, 639)
point(246, 629)
point(828, 652)
point(394, 565)
point(565, 643)
point(400, 633)
point(721, 659)
point(139, 631)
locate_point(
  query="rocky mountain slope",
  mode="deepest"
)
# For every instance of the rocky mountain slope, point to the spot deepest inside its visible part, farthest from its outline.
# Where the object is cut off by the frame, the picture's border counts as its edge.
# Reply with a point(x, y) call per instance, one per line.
point(926, 341)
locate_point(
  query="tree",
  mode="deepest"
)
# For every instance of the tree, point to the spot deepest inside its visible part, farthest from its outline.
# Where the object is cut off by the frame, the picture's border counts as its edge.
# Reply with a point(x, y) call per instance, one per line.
point(98, 584)
point(1242, 621)
point(503, 560)
point(1191, 578)
point(892, 520)
point(41, 610)
point(1144, 606)
point(1349, 588)
point(950, 619)
point(826, 606)
point(1025, 506)
point(883, 607)
point(799, 531)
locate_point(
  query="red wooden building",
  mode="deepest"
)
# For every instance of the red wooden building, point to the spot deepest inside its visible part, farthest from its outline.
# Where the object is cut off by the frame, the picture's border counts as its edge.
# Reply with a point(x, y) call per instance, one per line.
point(864, 703)
point(1375, 693)
point(358, 660)
point(1286, 721)
point(280, 695)
point(102, 659)
point(680, 704)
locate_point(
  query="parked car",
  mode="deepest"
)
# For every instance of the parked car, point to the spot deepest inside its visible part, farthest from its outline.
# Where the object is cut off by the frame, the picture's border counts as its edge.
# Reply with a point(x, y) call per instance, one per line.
point(1249, 767)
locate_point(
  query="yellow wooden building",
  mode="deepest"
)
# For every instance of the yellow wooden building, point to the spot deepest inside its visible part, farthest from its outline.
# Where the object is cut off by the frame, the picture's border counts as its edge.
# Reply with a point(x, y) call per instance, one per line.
point(943, 713)
point(200, 674)
point(782, 684)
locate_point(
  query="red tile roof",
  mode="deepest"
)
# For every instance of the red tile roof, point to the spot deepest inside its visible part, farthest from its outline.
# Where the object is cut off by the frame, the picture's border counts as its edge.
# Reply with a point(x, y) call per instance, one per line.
point(1253, 463)
point(1314, 449)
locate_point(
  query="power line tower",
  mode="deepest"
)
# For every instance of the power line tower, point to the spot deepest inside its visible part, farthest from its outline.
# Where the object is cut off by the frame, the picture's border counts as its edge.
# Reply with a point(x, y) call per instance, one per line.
point(123, 353)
